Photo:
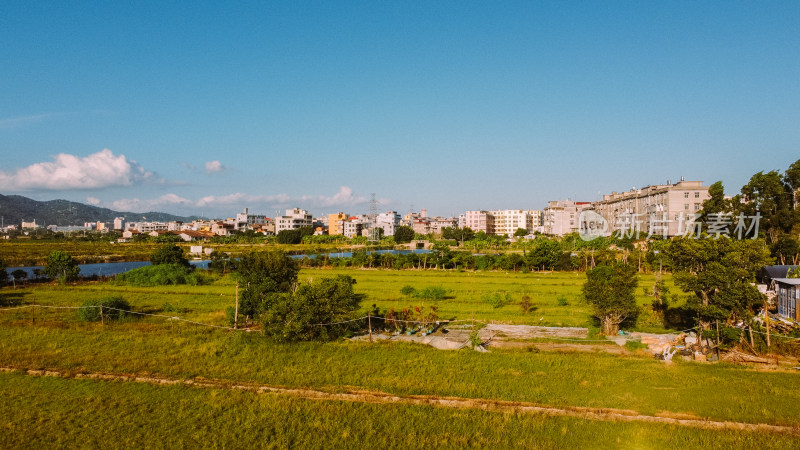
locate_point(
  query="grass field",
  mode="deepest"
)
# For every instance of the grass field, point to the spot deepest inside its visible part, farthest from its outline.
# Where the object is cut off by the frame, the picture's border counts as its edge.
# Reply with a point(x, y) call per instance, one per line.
point(59, 413)
point(52, 410)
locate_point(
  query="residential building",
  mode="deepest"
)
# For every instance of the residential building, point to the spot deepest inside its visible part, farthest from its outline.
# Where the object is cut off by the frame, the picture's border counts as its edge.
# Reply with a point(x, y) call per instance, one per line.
point(119, 223)
point(388, 221)
point(352, 227)
point(294, 219)
point(439, 223)
point(479, 221)
point(507, 222)
point(336, 223)
point(245, 220)
point(561, 217)
point(659, 210)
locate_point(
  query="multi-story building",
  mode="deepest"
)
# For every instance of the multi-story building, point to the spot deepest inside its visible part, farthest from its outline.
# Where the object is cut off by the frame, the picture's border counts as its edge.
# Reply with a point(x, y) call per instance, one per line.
point(294, 219)
point(561, 217)
point(335, 223)
point(479, 221)
point(352, 227)
point(388, 221)
point(507, 222)
point(439, 223)
point(659, 210)
point(245, 220)
point(119, 223)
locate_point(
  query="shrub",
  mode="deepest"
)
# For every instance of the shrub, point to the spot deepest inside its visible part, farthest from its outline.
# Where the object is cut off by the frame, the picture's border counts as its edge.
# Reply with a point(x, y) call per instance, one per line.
point(497, 300)
point(113, 308)
point(163, 274)
point(408, 290)
point(562, 300)
point(525, 304)
point(432, 293)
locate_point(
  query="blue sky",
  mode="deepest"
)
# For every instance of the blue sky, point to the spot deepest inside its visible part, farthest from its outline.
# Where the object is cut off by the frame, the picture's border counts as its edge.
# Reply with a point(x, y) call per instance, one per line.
point(209, 107)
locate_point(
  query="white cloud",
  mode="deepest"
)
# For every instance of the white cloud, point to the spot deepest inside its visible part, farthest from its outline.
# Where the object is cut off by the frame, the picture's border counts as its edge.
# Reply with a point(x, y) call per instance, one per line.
point(99, 170)
point(137, 205)
point(214, 167)
point(16, 122)
point(93, 201)
point(344, 197)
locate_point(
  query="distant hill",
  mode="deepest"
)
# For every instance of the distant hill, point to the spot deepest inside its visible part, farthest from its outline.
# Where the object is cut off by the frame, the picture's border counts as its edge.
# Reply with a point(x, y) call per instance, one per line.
point(16, 208)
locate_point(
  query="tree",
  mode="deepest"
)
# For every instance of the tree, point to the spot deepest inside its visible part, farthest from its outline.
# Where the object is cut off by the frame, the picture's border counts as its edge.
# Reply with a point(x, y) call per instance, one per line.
point(260, 274)
point(719, 272)
point(18, 275)
point(716, 203)
point(767, 194)
point(609, 288)
point(521, 232)
point(60, 266)
point(169, 254)
point(313, 312)
point(3, 274)
point(403, 234)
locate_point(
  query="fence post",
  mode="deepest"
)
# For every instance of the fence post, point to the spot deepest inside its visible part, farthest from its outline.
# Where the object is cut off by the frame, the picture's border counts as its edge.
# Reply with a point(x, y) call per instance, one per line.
point(369, 325)
point(236, 312)
point(102, 319)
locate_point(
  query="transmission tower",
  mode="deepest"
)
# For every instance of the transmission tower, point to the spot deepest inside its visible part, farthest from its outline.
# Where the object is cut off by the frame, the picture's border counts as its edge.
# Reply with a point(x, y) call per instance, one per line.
point(373, 206)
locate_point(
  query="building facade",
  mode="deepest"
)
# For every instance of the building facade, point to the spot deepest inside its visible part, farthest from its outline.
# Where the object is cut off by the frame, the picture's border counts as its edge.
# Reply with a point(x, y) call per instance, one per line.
point(294, 219)
point(788, 297)
point(663, 210)
point(562, 217)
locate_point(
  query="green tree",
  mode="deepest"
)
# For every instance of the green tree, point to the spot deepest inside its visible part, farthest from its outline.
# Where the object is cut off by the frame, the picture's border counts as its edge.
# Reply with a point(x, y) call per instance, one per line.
point(3, 274)
point(520, 232)
point(313, 312)
point(719, 272)
point(260, 274)
point(545, 255)
point(403, 234)
point(60, 266)
point(169, 254)
point(716, 203)
point(794, 273)
point(767, 195)
point(610, 288)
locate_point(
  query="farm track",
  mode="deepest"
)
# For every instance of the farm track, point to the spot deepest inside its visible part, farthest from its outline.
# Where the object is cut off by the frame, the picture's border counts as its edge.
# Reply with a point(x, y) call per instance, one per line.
point(377, 397)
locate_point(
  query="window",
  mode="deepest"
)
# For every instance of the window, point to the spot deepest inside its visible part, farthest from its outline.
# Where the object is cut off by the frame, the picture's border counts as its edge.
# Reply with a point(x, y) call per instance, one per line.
point(696, 195)
point(697, 206)
point(685, 195)
point(686, 206)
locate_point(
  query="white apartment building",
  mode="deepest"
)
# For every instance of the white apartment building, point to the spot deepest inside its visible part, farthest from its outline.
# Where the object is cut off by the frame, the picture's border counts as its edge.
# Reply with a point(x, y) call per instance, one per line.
point(119, 223)
point(294, 219)
point(561, 217)
point(389, 221)
point(508, 221)
point(245, 220)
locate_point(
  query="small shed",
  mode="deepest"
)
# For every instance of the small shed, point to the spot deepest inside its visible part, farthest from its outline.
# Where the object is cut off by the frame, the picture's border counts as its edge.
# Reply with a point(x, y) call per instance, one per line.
point(788, 297)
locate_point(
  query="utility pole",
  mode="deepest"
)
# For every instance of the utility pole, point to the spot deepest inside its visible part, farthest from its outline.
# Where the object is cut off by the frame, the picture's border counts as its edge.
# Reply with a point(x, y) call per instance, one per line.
point(236, 311)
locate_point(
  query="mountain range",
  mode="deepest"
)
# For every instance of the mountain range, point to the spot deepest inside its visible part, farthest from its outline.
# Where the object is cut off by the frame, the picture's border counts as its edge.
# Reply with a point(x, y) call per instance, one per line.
point(14, 209)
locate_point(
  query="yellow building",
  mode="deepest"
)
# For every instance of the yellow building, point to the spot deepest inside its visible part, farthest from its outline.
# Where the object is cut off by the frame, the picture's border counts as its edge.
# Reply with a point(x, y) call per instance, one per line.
point(335, 223)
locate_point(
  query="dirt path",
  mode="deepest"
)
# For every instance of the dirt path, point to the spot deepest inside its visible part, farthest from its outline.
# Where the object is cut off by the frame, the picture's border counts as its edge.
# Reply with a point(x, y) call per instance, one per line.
point(364, 396)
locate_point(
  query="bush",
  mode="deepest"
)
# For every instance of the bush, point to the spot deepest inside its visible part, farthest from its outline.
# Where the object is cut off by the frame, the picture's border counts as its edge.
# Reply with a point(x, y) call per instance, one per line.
point(432, 293)
point(113, 308)
point(497, 300)
point(160, 275)
point(408, 290)
point(562, 301)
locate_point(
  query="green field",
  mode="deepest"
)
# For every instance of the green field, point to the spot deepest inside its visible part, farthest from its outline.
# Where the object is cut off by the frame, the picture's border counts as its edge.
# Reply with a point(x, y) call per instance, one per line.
point(58, 413)
point(55, 339)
